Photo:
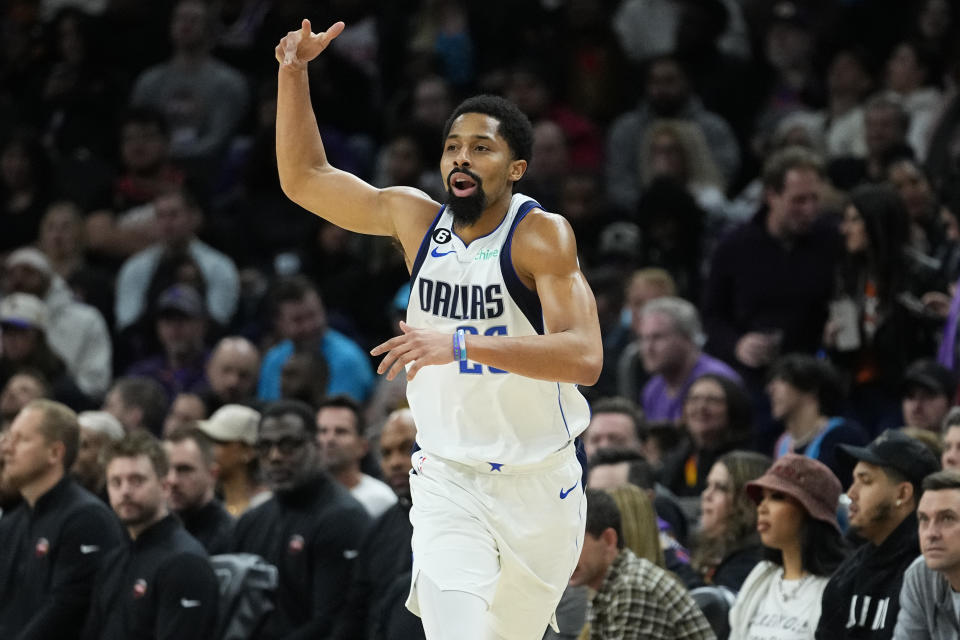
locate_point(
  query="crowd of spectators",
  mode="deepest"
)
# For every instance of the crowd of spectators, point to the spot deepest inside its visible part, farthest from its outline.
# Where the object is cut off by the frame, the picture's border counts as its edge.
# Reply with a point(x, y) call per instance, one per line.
point(766, 197)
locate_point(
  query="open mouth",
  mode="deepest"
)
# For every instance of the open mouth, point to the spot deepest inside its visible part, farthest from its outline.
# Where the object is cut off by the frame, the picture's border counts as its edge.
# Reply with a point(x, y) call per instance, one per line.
point(462, 185)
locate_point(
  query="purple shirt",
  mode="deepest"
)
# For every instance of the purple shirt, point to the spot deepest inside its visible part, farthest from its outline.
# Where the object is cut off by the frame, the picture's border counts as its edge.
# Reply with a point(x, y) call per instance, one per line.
point(658, 404)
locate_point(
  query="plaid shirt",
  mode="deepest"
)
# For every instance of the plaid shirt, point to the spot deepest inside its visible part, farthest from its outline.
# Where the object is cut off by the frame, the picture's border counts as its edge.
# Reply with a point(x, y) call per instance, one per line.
point(640, 601)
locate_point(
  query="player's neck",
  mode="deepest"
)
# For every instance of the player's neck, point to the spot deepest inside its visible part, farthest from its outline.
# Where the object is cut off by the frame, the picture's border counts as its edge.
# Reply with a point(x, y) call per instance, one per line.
point(489, 220)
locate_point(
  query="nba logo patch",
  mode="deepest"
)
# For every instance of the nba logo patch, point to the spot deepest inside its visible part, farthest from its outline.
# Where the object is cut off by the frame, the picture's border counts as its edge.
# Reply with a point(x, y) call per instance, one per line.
point(296, 543)
point(420, 464)
point(42, 548)
point(139, 588)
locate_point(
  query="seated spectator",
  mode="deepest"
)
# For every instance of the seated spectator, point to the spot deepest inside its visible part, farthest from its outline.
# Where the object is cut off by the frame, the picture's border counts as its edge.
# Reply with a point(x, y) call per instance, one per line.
point(138, 403)
point(638, 521)
point(232, 372)
point(24, 188)
point(927, 391)
point(643, 286)
point(75, 331)
point(727, 546)
point(717, 418)
point(878, 324)
point(175, 593)
point(63, 243)
point(300, 321)
point(305, 377)
point(927, 608)
point(381, 580)
point(863, 595)
point(233, 430)
point(632, 594)
point(670, 340)
point(178, 218)
point(950, 458)
point(191, 480)
point(56, 539)
point(185, 409)
point(343, 444)
point(23, 345)
point(797, 521)
point(886, 124)
point(804, 394)
point(97, 430)
point(749, 315)
point(23, 387)
point(669, 94)
point(310, 529)
point(123, 220)
point(848, 83)
point(614, 422)
point(181, 329)
point(202, 98)
point(911, 74)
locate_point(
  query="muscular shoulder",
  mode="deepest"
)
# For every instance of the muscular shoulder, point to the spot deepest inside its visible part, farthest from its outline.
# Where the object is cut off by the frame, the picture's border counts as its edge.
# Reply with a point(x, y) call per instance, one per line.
point(544, 243)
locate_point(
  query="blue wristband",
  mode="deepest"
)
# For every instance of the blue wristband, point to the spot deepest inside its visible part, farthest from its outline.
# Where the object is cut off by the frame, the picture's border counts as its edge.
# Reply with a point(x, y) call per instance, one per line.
point(456, 347)
point(462, 344)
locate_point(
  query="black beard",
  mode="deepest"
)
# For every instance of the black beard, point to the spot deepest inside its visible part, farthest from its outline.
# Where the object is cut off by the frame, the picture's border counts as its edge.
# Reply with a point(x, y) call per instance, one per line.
point(466, 211)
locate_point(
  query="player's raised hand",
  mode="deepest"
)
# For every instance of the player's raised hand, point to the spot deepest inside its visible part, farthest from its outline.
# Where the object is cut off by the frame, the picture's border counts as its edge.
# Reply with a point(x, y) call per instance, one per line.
point(297, 48)
point(416, 347)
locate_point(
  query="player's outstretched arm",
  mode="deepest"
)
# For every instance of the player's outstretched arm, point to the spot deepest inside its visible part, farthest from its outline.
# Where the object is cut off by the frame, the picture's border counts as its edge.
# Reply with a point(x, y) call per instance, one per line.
point(309, 179)
point(545, 255)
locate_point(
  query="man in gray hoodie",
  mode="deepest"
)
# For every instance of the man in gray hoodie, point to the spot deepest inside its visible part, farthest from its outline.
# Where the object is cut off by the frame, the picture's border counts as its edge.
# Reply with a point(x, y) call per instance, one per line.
point(929, 598)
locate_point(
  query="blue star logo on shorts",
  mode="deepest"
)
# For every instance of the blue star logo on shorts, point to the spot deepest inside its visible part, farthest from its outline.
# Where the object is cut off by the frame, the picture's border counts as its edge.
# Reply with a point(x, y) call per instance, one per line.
point(495, 466)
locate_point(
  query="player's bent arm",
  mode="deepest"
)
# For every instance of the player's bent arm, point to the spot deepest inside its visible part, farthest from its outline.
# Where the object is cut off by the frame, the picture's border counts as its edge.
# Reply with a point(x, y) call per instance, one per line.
point(545, 253)
point(308, 179)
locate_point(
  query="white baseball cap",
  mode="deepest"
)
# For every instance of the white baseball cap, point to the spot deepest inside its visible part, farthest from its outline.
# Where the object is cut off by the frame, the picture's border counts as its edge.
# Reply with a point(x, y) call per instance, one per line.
point(232, 423)
point(23, 310)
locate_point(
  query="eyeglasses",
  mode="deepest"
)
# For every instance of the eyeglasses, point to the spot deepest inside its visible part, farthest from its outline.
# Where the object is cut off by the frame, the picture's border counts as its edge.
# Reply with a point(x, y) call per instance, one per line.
point(286, 446)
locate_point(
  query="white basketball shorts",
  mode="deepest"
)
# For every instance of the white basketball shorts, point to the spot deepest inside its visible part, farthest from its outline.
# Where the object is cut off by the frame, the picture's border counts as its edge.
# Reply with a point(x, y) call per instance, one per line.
point(510, 535)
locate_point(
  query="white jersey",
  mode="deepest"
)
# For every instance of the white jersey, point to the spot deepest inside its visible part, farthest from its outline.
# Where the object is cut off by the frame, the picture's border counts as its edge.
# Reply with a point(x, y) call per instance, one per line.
point(465, 411)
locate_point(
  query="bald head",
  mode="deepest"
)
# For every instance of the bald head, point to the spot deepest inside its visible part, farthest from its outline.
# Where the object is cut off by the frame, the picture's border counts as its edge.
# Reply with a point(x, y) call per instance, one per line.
point(396, 445)
point(233, 369)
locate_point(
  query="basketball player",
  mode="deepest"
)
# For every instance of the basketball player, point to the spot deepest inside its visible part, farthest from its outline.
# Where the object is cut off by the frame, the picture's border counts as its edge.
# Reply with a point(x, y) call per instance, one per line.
point(501, 326)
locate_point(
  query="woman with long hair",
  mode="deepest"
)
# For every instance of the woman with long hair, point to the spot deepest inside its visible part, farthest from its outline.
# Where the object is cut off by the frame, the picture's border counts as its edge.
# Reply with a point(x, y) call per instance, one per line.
point(717, 418)
point(728, 546)
point(878, 324)
point(638, 521)
point(797, 522)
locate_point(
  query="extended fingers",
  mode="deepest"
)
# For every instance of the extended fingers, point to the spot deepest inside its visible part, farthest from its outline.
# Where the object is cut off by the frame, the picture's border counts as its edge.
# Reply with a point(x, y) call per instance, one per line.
point(388, 345)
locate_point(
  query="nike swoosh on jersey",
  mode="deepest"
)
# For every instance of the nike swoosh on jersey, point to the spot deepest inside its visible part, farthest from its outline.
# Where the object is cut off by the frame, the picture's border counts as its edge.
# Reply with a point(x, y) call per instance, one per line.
point(189, 604)
point(89, 548)
point(564, 494)
point(436, 254)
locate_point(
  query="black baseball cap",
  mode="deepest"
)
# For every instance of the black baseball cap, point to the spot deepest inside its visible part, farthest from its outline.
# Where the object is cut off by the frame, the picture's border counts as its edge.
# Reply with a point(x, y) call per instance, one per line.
point(896, 450)
point(929, 374)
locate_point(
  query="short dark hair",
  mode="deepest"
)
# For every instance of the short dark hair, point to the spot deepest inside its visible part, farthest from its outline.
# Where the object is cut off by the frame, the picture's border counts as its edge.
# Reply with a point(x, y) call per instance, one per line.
point(639, 471)
point(810, 375)
point(343, 401)
point(290, 289)
point(942, 480)
point(603, 514)
point(58, 423)
point(146, 116)
point(139, 443)
point(515, 126)
point(625, 406)
point(780, 163)
point(191, 432)
point(292, 407)
point(147, 395)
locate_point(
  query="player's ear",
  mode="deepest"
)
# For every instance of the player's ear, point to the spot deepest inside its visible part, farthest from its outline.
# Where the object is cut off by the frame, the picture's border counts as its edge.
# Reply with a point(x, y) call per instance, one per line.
point(517, 169)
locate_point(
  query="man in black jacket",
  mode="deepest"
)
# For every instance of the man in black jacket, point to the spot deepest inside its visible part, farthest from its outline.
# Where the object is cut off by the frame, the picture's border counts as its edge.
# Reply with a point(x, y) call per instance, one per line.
point(862, 598)
point(191, 481)
point(53, 543)
point(381, 580)
point(160, 585)
point(310, 529)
